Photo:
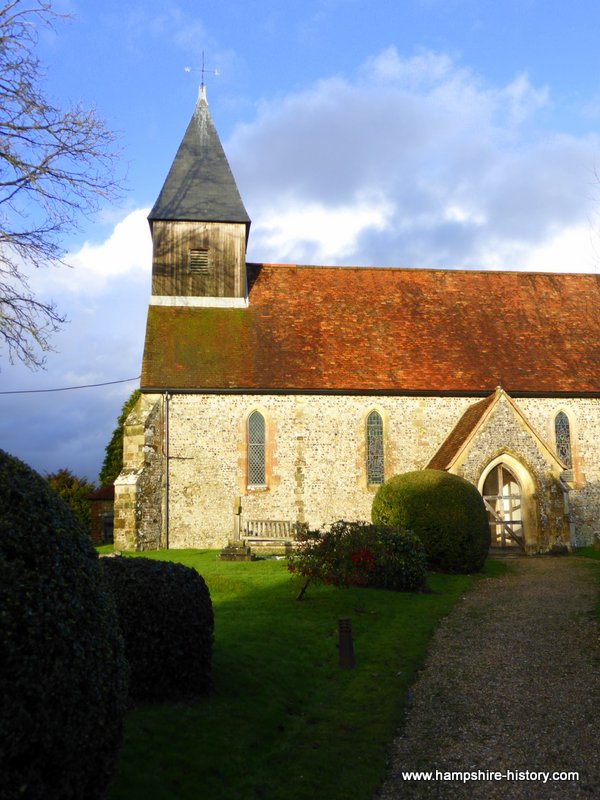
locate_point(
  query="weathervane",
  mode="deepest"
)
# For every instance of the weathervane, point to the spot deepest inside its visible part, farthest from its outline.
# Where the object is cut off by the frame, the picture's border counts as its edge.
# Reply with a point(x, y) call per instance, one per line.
point(203, 71)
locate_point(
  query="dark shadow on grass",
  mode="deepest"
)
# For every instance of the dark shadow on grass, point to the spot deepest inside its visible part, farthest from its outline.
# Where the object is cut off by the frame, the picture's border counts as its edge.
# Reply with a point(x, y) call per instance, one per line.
point(283, 718)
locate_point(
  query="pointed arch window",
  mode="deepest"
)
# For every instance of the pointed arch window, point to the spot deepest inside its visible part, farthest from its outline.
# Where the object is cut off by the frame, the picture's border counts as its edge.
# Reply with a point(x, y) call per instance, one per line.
point(562, 430)
point(256, 450)
point(375, 448)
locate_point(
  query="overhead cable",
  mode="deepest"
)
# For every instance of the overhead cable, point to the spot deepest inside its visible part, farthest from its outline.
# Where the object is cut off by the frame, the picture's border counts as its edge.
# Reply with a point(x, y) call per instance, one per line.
point(69, 388)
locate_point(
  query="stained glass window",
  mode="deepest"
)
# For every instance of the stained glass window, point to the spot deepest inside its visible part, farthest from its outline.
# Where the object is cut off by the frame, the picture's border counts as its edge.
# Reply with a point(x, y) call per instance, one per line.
point(374, 448)
point(256, 450)
point(562, 430)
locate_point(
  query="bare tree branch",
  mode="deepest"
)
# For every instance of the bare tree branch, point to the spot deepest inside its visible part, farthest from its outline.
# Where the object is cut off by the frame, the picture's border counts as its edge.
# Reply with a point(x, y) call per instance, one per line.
point(56, 166)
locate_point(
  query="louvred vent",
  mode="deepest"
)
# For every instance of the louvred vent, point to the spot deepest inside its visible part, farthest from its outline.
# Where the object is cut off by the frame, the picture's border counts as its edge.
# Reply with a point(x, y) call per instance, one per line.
point(199, 264)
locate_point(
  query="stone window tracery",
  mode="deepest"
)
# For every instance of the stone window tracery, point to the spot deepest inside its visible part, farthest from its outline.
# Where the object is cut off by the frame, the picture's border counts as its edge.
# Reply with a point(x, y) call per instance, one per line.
point(562, 430)
point(375, 465)
point(256, 449)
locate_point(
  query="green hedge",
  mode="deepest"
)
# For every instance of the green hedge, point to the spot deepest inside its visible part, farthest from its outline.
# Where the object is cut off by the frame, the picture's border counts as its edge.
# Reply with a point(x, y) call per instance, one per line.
point(444, 510)
point(63, 677)
point(166, 617)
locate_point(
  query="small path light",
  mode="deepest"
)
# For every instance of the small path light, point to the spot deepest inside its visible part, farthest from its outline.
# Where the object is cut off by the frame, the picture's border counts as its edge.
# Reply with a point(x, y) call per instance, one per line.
point(345, 646)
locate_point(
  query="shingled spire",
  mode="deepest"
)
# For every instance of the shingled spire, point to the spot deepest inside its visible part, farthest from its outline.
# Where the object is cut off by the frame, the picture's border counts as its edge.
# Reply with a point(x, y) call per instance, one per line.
point(200, 184)
point(199, 224)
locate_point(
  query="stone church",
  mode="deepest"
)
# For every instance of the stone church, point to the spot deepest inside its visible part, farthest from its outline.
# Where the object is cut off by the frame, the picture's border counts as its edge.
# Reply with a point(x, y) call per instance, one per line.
point(278, 394)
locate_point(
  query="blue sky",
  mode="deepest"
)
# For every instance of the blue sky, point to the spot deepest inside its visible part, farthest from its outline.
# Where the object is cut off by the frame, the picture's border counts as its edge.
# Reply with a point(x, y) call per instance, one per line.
point(415, 133)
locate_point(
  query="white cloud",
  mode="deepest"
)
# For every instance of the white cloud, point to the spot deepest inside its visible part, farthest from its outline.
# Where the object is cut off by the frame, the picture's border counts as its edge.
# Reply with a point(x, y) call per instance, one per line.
point(462, 173)
point(461, 214)
point(575, 249)
point(127, 250)
point(329, 233)
point(417, 72)
point(524, 99)
point(105, 297)
point(140, 24)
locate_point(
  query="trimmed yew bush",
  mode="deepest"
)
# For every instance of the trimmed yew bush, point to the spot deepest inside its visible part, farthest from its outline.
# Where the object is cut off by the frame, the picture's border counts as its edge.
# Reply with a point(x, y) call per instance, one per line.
point(63, 676)
point(359, 554)
point(400, 562)
point(444, 510)
point(166, 617)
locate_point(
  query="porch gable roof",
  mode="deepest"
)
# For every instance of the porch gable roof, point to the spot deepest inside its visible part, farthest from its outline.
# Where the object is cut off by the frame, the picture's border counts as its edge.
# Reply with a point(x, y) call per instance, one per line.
point(472, 420)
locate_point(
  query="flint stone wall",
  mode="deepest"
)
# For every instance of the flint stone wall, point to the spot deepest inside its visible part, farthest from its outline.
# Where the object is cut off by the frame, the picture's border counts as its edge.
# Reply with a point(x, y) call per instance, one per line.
point(316, 460)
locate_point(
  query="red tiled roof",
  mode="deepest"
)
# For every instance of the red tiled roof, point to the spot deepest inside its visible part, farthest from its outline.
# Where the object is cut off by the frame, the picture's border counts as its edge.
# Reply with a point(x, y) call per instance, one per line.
point(103, 493)
point(376, 329)
point(460, 433)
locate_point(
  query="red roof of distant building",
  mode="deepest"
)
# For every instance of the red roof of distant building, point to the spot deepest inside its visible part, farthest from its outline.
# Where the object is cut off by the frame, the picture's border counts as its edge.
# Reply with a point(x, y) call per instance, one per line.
point(103, 493)
point(385, 330)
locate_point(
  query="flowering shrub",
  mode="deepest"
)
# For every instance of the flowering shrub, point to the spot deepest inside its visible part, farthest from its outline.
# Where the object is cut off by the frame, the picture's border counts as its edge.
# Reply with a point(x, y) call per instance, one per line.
point(359, 554)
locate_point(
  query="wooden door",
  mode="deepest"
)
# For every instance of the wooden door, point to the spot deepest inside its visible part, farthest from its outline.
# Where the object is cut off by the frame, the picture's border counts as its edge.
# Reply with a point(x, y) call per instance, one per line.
point(503, 500)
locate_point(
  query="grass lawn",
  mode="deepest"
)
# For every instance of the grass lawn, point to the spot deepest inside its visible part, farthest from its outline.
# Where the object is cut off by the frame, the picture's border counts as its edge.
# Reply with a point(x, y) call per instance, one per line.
point(588, 552)
point(591, 552)
point(284, 721)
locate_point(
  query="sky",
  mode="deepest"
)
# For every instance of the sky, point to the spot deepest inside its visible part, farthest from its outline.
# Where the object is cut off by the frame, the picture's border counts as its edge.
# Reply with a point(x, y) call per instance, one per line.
point(451, 134)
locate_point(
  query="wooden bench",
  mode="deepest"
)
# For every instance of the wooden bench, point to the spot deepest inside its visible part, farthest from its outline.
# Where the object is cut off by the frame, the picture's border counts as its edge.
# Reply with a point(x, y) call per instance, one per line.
point(270, 530)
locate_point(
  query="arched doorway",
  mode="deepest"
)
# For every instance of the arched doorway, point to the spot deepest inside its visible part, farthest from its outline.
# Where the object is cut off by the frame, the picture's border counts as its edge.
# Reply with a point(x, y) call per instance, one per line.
point(503, 498)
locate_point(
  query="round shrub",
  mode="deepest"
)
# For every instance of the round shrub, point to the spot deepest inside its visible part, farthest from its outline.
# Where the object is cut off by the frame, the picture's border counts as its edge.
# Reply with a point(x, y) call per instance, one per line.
point(166, 617)
point(63, 676)
point(359, 554)
point(444, 510)
point(400, 562)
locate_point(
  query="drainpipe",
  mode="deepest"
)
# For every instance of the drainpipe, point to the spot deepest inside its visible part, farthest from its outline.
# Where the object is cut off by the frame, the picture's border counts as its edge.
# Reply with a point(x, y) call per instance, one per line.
point(166, 452)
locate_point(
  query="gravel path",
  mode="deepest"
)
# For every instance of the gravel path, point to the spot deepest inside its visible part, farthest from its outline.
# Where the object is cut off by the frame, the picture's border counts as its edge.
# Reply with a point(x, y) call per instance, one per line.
point(511, 683)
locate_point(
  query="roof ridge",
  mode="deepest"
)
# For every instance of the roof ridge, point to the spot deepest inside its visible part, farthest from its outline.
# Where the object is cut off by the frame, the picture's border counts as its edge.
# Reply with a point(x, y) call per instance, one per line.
point(444, 270)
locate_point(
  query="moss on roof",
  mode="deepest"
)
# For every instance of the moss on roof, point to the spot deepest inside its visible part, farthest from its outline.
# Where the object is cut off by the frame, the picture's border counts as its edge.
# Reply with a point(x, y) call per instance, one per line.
point(375, 329)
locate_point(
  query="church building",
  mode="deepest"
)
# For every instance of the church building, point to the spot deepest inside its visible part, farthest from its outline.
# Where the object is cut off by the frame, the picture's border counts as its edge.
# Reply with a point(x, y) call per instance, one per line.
point(275, 395)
